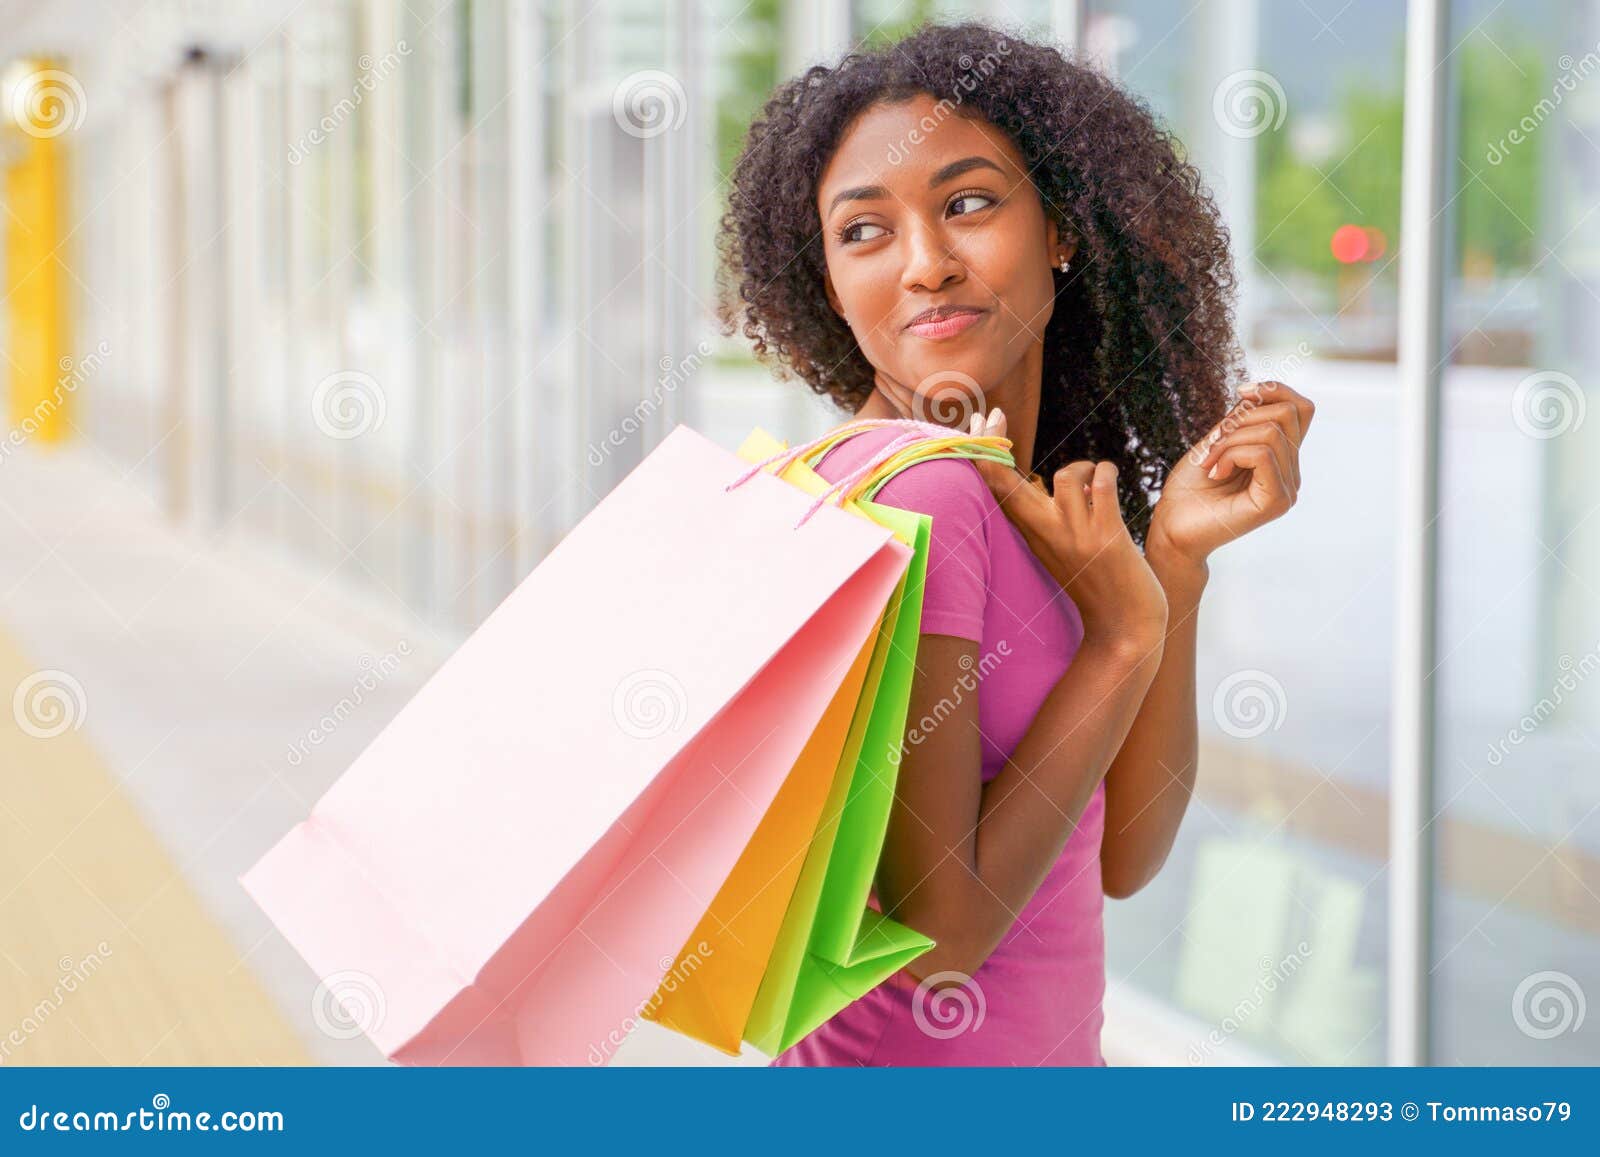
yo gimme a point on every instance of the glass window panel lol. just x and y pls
(1266, 929)
(1516, 952)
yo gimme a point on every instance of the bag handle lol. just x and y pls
(813, 450)
(867, 480)
(919, 442)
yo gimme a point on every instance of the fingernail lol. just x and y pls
(1212, 473)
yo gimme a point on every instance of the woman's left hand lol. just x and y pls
(1243, 474)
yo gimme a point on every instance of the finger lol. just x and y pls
(1283, 392)
(1267, 491)
(1257, 455)
(1280, 414)
(1023, 503)
(1284, 450)
(1103, 489)
(1071, 486)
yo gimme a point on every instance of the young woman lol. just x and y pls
(970, 229)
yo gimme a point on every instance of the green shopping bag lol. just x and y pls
(833, 949)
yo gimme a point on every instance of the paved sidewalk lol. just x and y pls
(189, 669)
(215, 689)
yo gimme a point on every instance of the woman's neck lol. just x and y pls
(1021, 407)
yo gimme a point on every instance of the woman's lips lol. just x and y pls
(947, 326)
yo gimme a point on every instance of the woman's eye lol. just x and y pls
(855, 232)
(970, 203)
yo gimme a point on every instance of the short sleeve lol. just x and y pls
(955, 496)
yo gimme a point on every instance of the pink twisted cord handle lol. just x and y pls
(860, 472)
(849, 430)
(915, 431)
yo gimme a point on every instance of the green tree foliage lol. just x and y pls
(1300, 202)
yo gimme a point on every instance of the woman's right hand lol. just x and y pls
(1079, 535)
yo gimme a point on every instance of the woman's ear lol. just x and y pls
(1059, 243)
(833, 298)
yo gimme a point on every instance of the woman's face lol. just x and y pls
(925, 209)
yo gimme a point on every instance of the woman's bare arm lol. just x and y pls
(961, 858)
(1243, 474)
(1152, 778)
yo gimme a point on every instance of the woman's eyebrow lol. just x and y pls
(946, 173)
(964, 165)
(859, 193)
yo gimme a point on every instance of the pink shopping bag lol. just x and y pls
(514, 862)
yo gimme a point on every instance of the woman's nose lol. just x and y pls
(930, 261)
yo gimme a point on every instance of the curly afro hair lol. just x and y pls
(1140, 347)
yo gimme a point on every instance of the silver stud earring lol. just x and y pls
(1065, 264)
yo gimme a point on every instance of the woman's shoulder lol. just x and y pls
(948, 486)
(854, 451)
(949, 489)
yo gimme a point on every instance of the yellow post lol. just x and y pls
(41, 103)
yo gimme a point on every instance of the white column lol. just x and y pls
(1412, 710)
(536, 473)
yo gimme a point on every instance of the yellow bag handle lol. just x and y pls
(919, 442)
(867, 479)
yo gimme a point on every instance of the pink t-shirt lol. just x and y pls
(1037, 998)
